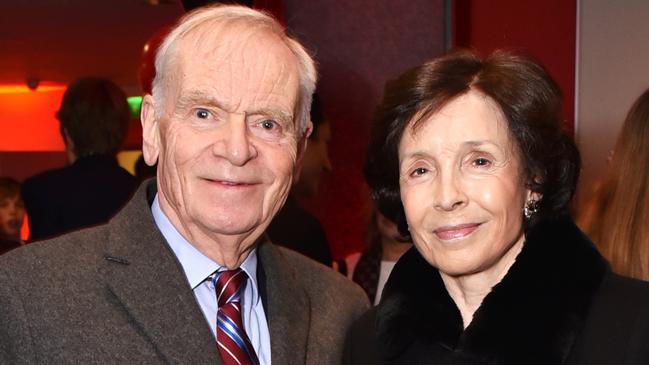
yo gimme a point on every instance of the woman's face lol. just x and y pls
(462, 188)
(12, 213)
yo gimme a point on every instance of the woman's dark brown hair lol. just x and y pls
(527, 96)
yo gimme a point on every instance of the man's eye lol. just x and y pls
(268, 124)
(202, 113)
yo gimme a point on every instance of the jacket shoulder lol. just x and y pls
(361, 344)
(322, 282)
(45, 260)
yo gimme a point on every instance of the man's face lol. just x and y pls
(226, 140)
(12, 213)
(315, 162)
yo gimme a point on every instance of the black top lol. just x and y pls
(558, 304)
(299, 230)
(86, 193)
(8, 245)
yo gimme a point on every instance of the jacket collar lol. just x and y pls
(533, 316)
(145, 278)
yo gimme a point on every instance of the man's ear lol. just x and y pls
(150, 131)
(69, 145)
(301, 149)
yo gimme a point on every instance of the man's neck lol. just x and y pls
(227, 250)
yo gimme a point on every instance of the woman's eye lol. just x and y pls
(419, 171)
(202, 113)
(481, 161)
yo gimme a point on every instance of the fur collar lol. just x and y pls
(533, 316)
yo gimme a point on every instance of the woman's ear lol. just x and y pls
(533, 196)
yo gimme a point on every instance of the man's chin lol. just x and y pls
(229, 228)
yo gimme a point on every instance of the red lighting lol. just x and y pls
(27, 117)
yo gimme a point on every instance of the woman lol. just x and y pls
(617, 220)
(12, 214)
(472, 154)
(371, 268)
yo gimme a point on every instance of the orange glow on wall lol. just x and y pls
(22, 89)
(27, 118)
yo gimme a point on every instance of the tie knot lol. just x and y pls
(228, 285)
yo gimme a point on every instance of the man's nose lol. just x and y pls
(235, 144)
(448, 193)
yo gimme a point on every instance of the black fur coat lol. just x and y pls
(558, 304)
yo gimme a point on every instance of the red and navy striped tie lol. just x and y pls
(231, 339)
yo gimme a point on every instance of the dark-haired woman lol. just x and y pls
(471, 154)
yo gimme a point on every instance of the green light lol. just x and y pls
(134, 103)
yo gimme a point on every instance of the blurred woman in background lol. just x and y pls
(371, 268)
(12, 214)
(617, 219)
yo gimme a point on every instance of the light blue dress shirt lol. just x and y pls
(198, 267)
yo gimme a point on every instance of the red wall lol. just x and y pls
(358, 46)
(545, 30)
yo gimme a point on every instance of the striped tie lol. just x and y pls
(232, 342)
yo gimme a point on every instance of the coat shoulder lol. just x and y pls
(69, 260)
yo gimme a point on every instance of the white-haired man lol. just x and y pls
(185, 273)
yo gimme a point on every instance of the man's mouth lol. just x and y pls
(231, 183)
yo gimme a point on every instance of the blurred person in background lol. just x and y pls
(371, 268)
(94, 117)
(293, 226)
(12, 214)
(617, 219)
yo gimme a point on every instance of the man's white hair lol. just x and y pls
(215, 18)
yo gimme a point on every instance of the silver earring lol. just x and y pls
(530, 208)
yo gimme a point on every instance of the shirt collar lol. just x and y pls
(198, 267)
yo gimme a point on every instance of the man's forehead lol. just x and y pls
(239, 52)
(233, 41)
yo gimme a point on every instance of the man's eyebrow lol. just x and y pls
(197, 97)
(274, 114)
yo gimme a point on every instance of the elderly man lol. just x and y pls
(184, 273)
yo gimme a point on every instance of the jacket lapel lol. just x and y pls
(147, 281)
(287, 306)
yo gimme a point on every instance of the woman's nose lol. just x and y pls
(448, 193)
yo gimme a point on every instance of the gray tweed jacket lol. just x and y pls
(116, 294)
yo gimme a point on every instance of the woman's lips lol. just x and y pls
(452, 232)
